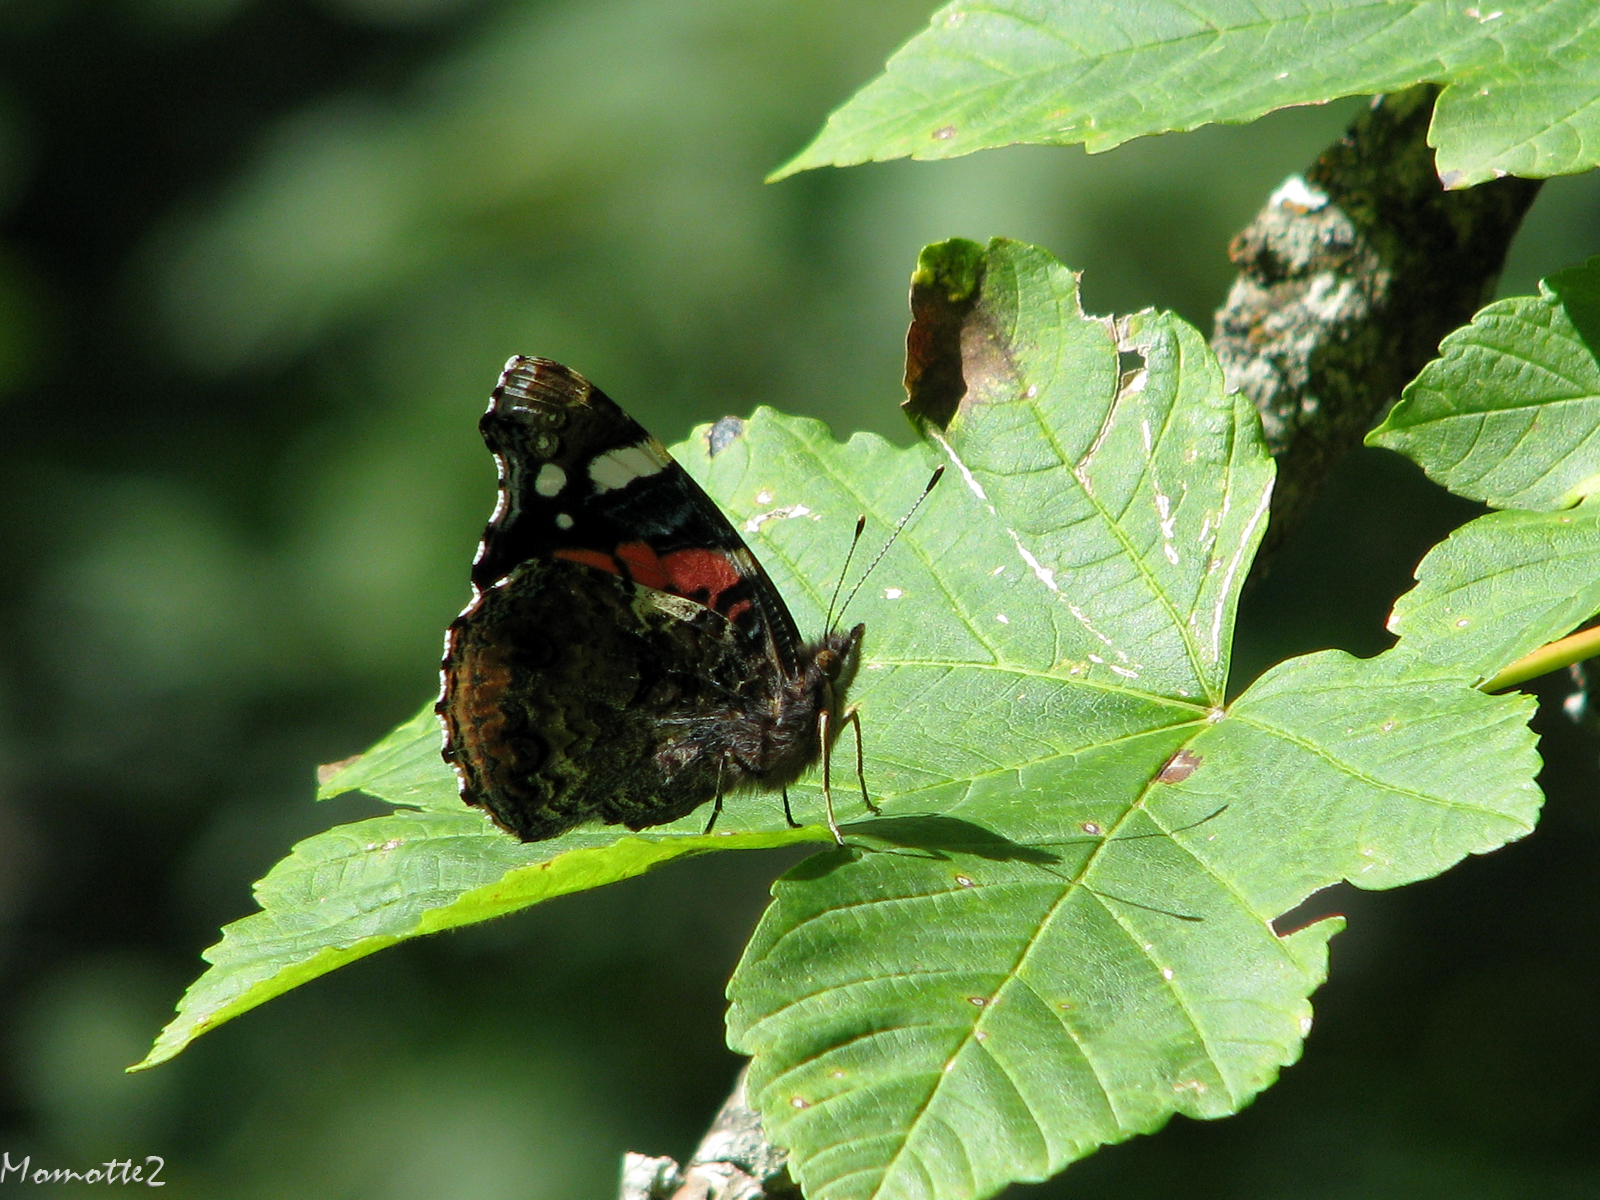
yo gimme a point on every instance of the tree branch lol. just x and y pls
(1348, 278)
(734, 1161)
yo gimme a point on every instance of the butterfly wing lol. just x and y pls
(622, 645)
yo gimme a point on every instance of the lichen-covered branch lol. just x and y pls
(1348, 278)
(734, 1161)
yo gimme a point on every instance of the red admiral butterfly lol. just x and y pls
(624, 657)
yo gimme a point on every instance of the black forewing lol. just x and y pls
(547, 426)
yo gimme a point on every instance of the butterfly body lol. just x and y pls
(624, 658)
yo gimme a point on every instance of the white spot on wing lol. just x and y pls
(550, 480)
(618, 468)
(563, 521)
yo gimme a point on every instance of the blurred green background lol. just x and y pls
(261, 262)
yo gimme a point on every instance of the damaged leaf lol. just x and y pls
(1065, 934)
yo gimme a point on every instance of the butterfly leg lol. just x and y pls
(716, 809)
(824, 719)
(787, 814)
(853, 717)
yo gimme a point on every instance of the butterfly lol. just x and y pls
(624, 657)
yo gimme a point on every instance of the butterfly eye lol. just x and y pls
(828, 661)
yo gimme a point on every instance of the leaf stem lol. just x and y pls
(1573, 648)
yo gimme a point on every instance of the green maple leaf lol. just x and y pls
(1521, 95)
(1060, 931)
(1509, 413)
(1074, 940)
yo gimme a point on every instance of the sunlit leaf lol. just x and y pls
(1502, 586)
(1061, 933)
(1523, 96)
(358, 888)
(1509, 413)
(404, 767)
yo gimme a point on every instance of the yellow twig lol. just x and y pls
(1573, 648)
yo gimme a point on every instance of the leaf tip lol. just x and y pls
(327, 773)
(817, 154)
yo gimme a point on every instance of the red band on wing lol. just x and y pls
(591, 558)
(645, 566)
(702, 573)
(704, 576)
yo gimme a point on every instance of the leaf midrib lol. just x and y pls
(1013, 976)
(946, 100)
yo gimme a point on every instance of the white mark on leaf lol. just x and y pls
(1042, 573)
(1219, 609)
(972, 484)
(754, 524)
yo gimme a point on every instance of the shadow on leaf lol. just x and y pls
(931, 837)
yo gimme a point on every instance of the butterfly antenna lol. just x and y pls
(901, 524)
(861, 524)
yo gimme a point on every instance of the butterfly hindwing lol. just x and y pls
(624, 657)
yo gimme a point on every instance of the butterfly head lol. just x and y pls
(839, 655)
